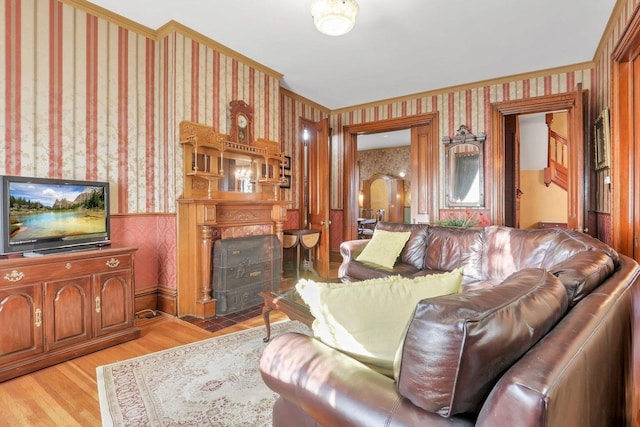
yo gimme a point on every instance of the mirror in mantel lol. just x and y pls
(239, 175)
(464, 169)
(242, 172)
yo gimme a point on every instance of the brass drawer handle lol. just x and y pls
(113, 263)
(14, 276)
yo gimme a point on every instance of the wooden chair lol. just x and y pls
(366, 227)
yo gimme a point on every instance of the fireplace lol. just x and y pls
(243, 267)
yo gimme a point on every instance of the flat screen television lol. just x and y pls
(45, 215)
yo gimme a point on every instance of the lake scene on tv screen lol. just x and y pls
(52, 211)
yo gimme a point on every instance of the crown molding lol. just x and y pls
(165, 30)
(112, 17)
(304, 100)
(176, 27)
(474, 85)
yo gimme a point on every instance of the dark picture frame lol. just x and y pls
(287, 162)
(267, 171)
(287, 182)
(602, 140)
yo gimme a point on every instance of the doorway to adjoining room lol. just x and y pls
(384, 164)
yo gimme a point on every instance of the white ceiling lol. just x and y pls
(397, 47)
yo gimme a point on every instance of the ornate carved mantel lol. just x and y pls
(231, 189)
(200, 223)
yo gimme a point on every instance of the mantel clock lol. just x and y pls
(241, 122)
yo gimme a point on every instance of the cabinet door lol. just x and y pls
(114, 308)
(68, 311)
(21, 332)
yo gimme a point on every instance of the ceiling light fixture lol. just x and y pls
(334, 17)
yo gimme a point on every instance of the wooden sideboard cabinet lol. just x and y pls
(57, 307)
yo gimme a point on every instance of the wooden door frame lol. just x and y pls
(577, 191)
(625, 158)
(319, 183)
(302, 172)
(425, 166)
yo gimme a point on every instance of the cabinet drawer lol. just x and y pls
(99, 264)
(45, 271)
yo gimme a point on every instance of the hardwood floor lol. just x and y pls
(66, 394)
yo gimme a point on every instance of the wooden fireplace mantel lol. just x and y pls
(218, 203)
(200, 223)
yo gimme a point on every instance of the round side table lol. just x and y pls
(303, 238)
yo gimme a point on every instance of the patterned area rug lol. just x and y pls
(214, 382)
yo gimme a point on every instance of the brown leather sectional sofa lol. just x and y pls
(545, 333)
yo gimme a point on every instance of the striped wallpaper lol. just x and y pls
(86, 98)
(84, 95)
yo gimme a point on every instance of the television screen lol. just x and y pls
(52, 214)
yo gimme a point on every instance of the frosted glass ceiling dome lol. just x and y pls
(334, 17)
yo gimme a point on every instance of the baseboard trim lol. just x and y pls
(168, 300)
(160, 298)
(146, 299)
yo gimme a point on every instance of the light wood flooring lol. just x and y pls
(66, 394)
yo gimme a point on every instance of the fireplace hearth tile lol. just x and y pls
(224, 321)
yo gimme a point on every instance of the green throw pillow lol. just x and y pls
(384, 247)
(367, 319)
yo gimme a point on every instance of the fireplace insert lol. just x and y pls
(243, 267)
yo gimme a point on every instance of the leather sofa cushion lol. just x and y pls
(582, 273)
(507, 250)
(413, 252)
(364, 270)
(568, 243)
(367, 319)
(449, 248)
(456, 347)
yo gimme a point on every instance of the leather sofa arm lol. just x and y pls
(335, 389)
(352, 248)
(349, 250)
(589, 360)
